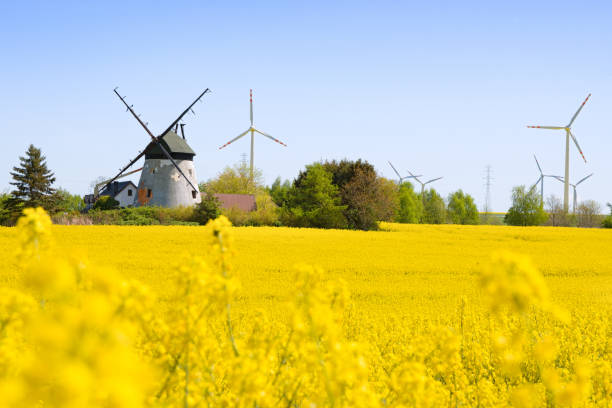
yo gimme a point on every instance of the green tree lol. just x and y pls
(434, 209)
(410, 205)
(207, 209)
(367, 196)
(5, 212)
(527, 208)
(368, 200)
(314, 201)
(461, 209)
(32, 181)
(66, 202)
(279, 191)
(236, 180)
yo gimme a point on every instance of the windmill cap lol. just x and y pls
(174, 144)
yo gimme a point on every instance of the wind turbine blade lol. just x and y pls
(395, 170)
(236, 138)
(432, 180)
(561, 179)
(578, 111)
(545, 127)
(269, 137)
(536, 159)
(577, 145)
(536, 183)
(581, 180)
(415, 177)
(251, 101)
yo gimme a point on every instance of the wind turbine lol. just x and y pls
(252, 130)
(541, 179)
(423, 184)
(568, 134)
(398, 175)
(574, 187)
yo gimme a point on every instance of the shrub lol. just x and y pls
(207, 209)
(106, 203)
(237, 216)
(144, 216)
(266, 212)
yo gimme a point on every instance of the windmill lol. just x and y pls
(168, 161)
(568, 134)
(398, 175)
(574, 187)
(541, 179)
(252, 130)
(423, 184)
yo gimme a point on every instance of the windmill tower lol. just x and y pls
(252, 130)
(568, 135)
(561, 179)
(541, 179)
(168, 177)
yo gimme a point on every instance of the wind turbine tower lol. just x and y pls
(252, 130)
(541, 179)
(568, 134)
(574, 188)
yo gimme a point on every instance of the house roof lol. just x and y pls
(244, 202)
(115, 188)
(174, 144)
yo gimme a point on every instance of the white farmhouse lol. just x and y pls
(122, 191)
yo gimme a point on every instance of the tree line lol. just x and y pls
(345, 194)
(528, 209)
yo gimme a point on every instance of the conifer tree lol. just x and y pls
(32, 181)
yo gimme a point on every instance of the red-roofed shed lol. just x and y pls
(244, 202)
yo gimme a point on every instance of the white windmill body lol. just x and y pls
(160, 182)
(168, 177)
(252, 130)
(568, 134)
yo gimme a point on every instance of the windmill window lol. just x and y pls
(190, 173)
(149, 192)
(129, 192)
(193, 192)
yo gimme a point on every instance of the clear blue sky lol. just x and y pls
(440, 88)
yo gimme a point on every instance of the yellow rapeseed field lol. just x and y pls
(217, 316)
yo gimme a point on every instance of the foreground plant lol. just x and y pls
(73, 334)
